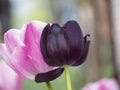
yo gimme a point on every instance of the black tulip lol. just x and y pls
(64, 45)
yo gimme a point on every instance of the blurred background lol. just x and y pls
(99, 18)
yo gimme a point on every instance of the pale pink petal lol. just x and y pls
(22, 50)
(91, 86)
(9, 80)
(32, 37)
(30, 63)
(108, 84)
(103, 84)
(12, 62)
(12, 39)
(23, 60)
(36, 27)
(5, 54)
(32, 32)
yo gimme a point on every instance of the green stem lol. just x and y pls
(49, 86)
(68, 81)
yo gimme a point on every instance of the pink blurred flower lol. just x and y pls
(9, 80)
(22, 52)
(103, 84)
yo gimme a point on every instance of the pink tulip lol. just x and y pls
(9, 80)
(103, 84)
(22, 52)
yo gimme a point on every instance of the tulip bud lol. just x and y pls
(64, 45)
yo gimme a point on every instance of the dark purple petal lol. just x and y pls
(48, 76)
(76, 39)
(53, 52)
(84, 54)
(64, 45)
(43, 42)
(54, 46)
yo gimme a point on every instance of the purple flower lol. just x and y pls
(64, 45)
(103, 84)
(9, 80)
(22, 52)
